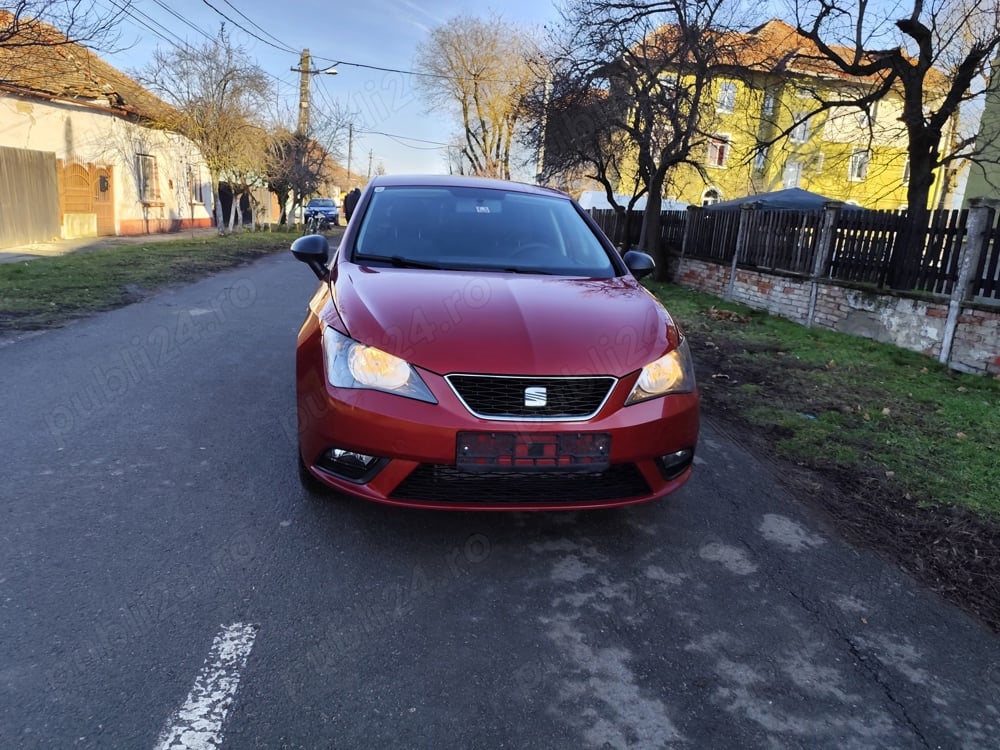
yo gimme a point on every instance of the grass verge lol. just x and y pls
(847, 406)
(44, 292)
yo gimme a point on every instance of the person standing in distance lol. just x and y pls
(351, 202)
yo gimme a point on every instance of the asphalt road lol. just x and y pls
(165, 582)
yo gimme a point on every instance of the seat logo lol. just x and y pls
(535, 396)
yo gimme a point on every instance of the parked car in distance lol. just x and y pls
(480, 344)
(326, 208)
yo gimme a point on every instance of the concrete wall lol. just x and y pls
(907, 322)
(84, 135)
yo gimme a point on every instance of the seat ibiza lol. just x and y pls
(480, 344)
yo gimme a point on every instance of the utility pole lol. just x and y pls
(303, 126)
(304, 72)
(371, 155)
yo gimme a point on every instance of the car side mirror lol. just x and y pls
(640, 264)
(314, 251)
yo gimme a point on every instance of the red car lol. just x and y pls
(480, 344)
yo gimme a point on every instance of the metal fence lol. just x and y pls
(29, 197)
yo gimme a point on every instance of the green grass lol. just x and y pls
(847, 405)
(44, 292)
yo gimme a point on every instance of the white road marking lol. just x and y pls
(197, 724)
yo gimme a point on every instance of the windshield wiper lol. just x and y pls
(530, 271)
(398, 261)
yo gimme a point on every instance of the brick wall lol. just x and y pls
(909, 323)
(976, 341)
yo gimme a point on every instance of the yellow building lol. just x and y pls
(844, 153)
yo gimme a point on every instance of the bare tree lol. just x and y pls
(653, 62)
(282, 156)
(26, 23)
(576, 136)
(296, 167)
(218, 93)
(246, 171)
(480, 69)
(936, 54)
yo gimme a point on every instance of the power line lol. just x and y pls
(400, 138)
(281, 46)
(182, 19)
(134, 13)
(417, 73)
(256, 25)
(245, 30)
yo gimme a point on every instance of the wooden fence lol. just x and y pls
(861, 249)
(986, 281)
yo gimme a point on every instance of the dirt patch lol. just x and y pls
(951, 550)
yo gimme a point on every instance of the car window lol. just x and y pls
(484, 229)
(321, 202)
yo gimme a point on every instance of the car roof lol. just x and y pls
(447, 180)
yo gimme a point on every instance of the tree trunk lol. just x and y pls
(217, 209)
(232, 211)
(651, 230)
(908, 247)
(281, 196)
(622, 227)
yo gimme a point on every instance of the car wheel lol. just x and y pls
(310, 483)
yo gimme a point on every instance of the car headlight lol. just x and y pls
(351, 364)
(671, 373)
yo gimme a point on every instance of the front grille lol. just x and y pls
(446, 484)
(504, 397)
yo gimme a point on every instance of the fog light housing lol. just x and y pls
(347, 464)
(674, 464)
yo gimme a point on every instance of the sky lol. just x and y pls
(393, 126)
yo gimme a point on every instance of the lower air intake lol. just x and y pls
(446, 484)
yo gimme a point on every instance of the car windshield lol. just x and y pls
(321, 203)
(465, 228)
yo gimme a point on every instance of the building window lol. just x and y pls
(858, 169)
(800, 133)
(760, 158)
(710, 197)
(767, 109)
(792, 175)
(866, 117)
(718, 150)
(146, 178)
(197, 194)
(906, 171)
(727, 97)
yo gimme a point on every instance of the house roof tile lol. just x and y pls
(36, 58)
(778, 47)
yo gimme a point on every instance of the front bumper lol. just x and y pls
(415, 446)
(331, 216)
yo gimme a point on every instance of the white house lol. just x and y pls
(73, 125)
(599, 199)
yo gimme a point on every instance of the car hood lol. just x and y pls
(514, 324)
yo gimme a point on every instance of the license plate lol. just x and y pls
(518, 451)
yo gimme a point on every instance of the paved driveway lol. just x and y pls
(165, 582)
